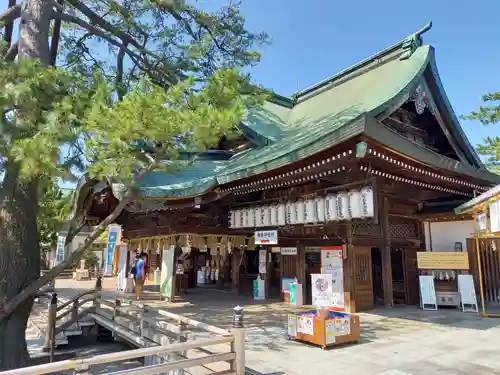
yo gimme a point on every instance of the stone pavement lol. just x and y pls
(398, 341)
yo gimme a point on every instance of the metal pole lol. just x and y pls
(238, 345)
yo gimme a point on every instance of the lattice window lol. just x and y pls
(362, 269)
(366, 229)
(403, 228)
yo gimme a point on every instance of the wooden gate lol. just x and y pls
(363, 283)
(490, 266)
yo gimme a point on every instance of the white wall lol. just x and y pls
(442, 236)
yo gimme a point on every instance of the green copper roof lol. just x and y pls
(194, 180)
(286, 130)
(325, 117)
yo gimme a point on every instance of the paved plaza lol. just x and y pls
(398, 341)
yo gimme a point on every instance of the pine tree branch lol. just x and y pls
(11, 53)
(119, 85)
(33, 288)
(136, 58)
(56, 36)
(9, 26)
(10, 14)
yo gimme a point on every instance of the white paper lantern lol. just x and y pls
(367, 200)
(244, 213)
(290, 213)
(354, 208)
(343, 206)
(237, 219)
(309, 211)
(232, 219)
(319, 204)
(299, 212)
(250, 218)
(331, 208)
(281, 214)
(273, 215)
(256, 213)
(266, 216)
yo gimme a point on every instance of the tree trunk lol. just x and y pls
(19, 251)
(19, 262)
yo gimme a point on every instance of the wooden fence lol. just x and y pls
(490, 266)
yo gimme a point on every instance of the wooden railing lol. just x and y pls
(165, 342)
(83, 366)
(77, 301)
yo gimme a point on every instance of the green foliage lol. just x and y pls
(52, 209)
(91, 260)
(489, 114)
(60, 120)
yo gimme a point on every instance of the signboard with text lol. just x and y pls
(288, 251)
(433, 260)
(266, 237)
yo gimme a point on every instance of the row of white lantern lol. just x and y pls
(354, 204)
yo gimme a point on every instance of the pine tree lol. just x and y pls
(113, 88)
(487, 115)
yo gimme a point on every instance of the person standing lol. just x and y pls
(140, 275)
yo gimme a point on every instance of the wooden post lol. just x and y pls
(98, 287)
(49, 340)
(385, 251)
(301, 266)
(116, 313)
(74, 311)
(236, 270)
(349, 272)
(238, 345)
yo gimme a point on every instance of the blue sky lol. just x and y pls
(314, 39)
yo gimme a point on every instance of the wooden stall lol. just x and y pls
(324, 328)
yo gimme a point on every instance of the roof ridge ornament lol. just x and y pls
(413, 41)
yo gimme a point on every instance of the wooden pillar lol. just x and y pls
(236, 269)
(267, 276)
(349, 273)
(385, 251)
(301, 265)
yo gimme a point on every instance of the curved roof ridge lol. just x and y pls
(408, 44)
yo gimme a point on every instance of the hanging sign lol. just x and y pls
(427, 293)
(262, 261)
(467, 293)
(321, 288)
(288, 251)
(266, 237)
(60, 248)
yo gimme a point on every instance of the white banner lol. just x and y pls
(427, 293)
(262, 261)
(332, 264)
(467, 293)
(321, 286)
